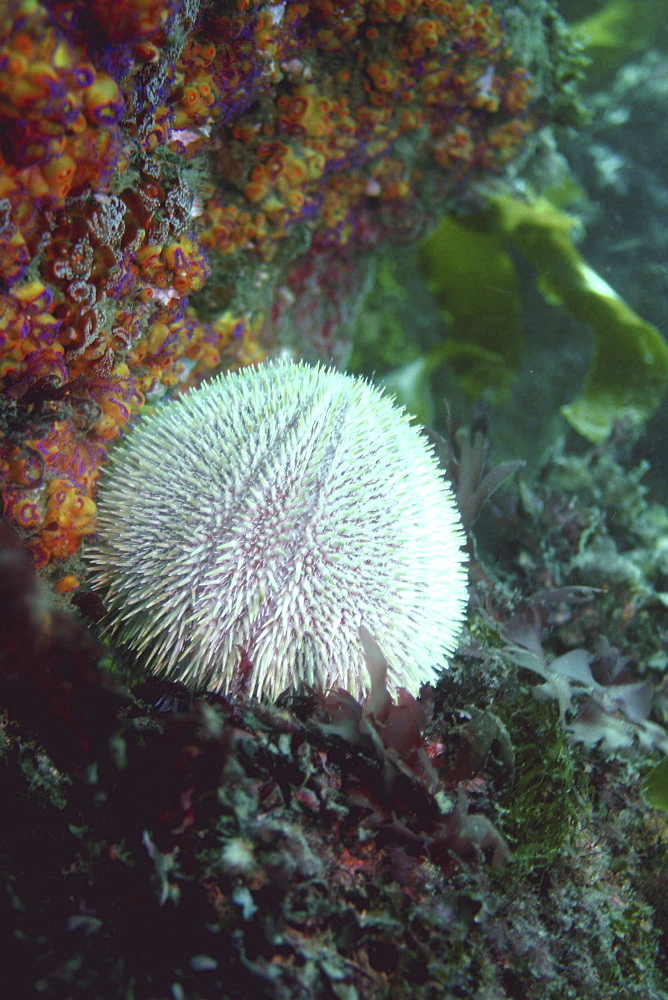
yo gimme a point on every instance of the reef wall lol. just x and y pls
(186, 186)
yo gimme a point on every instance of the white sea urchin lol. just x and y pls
(247, 530)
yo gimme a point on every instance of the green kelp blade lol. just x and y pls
(620, 30)
(655, 786)
(629, 372)
(472, 277)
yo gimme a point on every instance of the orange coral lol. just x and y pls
(179, 265)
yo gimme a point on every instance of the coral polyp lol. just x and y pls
(247, 531)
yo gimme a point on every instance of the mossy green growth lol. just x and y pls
(545, 804)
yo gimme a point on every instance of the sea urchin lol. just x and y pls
(246, 531)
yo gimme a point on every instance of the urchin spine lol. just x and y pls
(260, 520)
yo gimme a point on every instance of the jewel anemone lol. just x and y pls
(248, 529)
